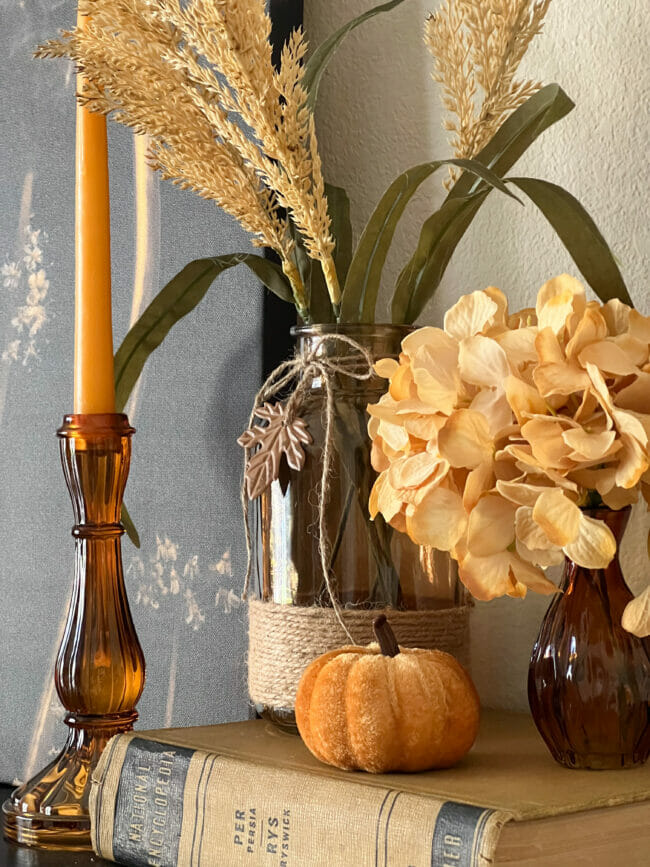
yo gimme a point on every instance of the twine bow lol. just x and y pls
(305, 367)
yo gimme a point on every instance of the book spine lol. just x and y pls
(163, 806)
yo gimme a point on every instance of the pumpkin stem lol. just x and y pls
(385, 636)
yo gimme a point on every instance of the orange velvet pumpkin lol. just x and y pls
(383, 708)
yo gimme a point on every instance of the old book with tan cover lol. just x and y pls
(248, 794)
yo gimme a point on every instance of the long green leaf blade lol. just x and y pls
(580, 235)
(364, 276)
(518, 131)
(439, 237)
(338, 206)
(173, 302)
(317, 63)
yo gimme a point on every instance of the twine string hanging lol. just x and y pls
(306, 366)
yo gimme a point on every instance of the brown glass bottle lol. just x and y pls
(99, 671)
(589, 679)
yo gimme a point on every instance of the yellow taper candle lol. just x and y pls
(94, 389)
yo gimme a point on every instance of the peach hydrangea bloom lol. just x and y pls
(496, 430)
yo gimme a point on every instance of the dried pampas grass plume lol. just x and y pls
(477, 46)
(198, 79)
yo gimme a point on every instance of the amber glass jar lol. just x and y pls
(589, 679)
(371, 565)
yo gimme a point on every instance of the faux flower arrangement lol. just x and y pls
(499, 427)
(223, 120)
(226, 119)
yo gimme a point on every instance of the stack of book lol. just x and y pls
(249, 794)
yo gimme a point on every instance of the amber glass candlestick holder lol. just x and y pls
(99, 671)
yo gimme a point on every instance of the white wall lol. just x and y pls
(379, 113)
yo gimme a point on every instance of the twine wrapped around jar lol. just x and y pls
(284, 639)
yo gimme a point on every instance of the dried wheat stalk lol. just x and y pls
(194, 77)
(477, 46)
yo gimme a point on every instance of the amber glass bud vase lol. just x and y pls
(589, 679)
(99, 671)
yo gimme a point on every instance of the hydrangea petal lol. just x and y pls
(388, 500)
(601, 480)
(632, 463)
(631, 423)
(619, 498)
(439, 521)
(557, 300)
(616, 315)
(542, 557)
(608, 356)
(386, 367)
(393, 435)
(478, 481)
(373, 499)
(500, 318)
(379, 460)
(639, 326)
(529, 532)
(558, 517)
(482, 361)
(521, 492)
(554, 375)
(406, 407)
(415, 496)
(531, 576)
(491, 526)
(636, 350)
(636, 616)
(402, 384)
(412, 471)
(519, 346)
(436, 376)
(424, 427)
(487, 578)
(636, 395)
(590, 329)
(523, 398)
(465, 439)
(492, 403)
(432, 338)
(470, 315)
(589, 446)
(544, 433)
(594, 546)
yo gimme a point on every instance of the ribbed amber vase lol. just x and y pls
(99, 671)
(589, 679)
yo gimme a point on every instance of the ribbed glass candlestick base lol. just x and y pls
(99, 673)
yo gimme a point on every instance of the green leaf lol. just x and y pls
(443, 231)
(515, 135)
(129, 526)
(439, 237)
(364, 276)
(580, 235)
(338, 206)
(317, 63)
(173, 302)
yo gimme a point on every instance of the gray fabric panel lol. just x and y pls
(193, 401)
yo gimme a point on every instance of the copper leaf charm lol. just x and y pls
(281, 435)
